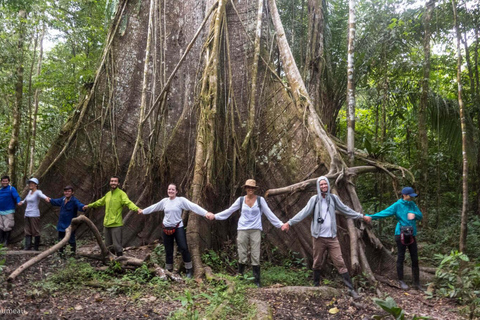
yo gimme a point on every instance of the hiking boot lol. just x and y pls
(189, 273)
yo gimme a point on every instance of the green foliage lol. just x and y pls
(286, 276)
(2, 253)
(390, 306)
(457, 277)
(223, 260)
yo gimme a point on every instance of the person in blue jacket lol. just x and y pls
(9, 198)
(407, 213)
(69, 205)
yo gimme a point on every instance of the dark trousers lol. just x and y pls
(401, 258)
(180, 237)
(61, 235)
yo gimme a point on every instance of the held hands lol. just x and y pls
(140, 211)
(367, 219)
(285, 227)
(48, 199)
(210, 216)
(85, 208)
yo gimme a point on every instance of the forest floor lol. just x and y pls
(78, 288)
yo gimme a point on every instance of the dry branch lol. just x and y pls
(75, 222)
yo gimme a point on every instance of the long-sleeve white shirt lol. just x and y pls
(250, 217)
(173, 210)
(32, 200)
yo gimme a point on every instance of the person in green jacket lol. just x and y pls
(407, 213)
(114, 201)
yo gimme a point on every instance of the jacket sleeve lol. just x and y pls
(56, 202)
(99, 203)
(189, 205)
(159, 206)
(270, 215)
(79, 205)
(344, 209)
(127, 202)
(15, 195)
(390, 211)
(306, 211)
(228, 212)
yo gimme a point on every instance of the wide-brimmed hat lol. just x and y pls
(250, 183)
(409, 191)
(34, 180)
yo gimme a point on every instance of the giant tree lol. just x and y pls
(172, 101)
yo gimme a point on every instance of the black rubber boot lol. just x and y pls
(28, 243)
(37, 243)
(256, 275)
(348, 282)
(119, 254)
(6, 238)
(241, 269)
(189, 273)
(2, 236)
(316, 278)
(73, 249)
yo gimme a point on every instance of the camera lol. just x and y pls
(320, 220)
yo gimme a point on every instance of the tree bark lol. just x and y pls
(351, 84)
(35, 108)
(17, 109)
(422, 113)
(464, 220)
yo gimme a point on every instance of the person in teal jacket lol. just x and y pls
(407, 213)
(114, 201)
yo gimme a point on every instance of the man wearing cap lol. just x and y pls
(407, 213)
(8, 199)
(324, 230)
(69, 205)
(114, 201)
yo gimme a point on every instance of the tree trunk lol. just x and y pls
(33, 136)
(201, 92)
(422, 113)
(17, 109)
(463, 225)
(351, 84)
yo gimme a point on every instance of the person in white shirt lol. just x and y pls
(324, 230)
(32, 214)
(249, 229)
(172, 225)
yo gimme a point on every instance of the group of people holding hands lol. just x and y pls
(321, 206)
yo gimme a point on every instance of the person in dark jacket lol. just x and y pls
(407, 213)
(69, 206)
(9, 198)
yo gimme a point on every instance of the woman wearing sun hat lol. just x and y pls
(249, 230)
(407, 213)
(32, 214)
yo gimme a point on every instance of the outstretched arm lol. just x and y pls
(228, 212)
(270, 215)
(305, 212)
